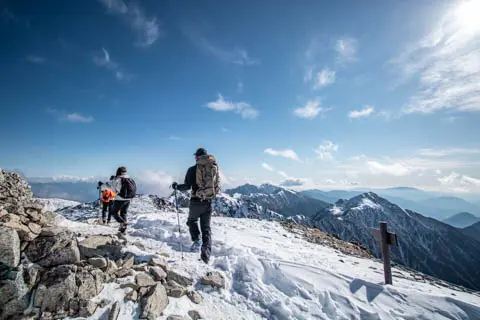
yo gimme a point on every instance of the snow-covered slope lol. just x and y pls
(54, 204)
(274, 274)
(425, 244)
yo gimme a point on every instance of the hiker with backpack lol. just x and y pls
(204, 180)
(125, 189)
(106, 199)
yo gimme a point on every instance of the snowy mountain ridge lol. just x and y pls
(425, 244)
(274, 274)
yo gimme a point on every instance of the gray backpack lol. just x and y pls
(207, 177)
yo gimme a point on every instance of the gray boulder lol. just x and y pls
(98, 262)
(175, 317)
(144, 280)
(55, 250)
(195, 297)
(179, 278)
(101, 246)
(9, 247)
(129, 261)
(175, 290)
(214, 279)
(14, 295)
(159, 262)
(15, 222)
(195, 315)
(154, 302)
(158, 273)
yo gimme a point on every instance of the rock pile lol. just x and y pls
(46, 272)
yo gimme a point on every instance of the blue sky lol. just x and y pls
(305, 94)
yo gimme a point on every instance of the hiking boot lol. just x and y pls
(205, 258)
(123, 228)
(196, 246)
(103, 221)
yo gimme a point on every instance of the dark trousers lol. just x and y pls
(119, 211)
(202, 210)
(107, 207)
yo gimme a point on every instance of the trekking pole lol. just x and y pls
(178, 219)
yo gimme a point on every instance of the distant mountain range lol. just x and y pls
(429, 204)
(462, 220)
(473, 231)
(425, 244)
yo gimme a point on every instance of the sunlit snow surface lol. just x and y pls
(274, 274)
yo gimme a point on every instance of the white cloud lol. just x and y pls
(77, 117)
(69, 178)
(445, 63)
(394, 169)
(460, 183)
(346, 49)
(308, 76)
(267, 166)
(62, 115)
(104, 61)
(287, 153)
(35, 59)
(146, 28)
(311, 110)
(448, 152)
(325, 151)
(245, 110)
(173, 137)
(324, 78)
(365, 112)
(155, 182)
(224, 129)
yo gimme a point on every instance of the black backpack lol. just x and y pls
(129, 188)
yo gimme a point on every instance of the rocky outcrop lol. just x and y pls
(180, 278)
(9, 247)
(103, 246)
(54, 250)
(213, 278)
(154, 302)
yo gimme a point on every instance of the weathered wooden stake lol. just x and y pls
(387, 239)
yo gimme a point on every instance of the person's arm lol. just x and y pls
(189, 180)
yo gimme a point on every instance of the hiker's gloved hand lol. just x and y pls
(174, 185)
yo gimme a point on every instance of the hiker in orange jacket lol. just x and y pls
(106, 198)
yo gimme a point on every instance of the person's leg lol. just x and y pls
(192, 221)
(110, 206)
(205, 219)
(104, 211)
(123, 215)
(117, 205)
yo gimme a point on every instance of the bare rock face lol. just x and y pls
(195, 297)
(52, 251)
(158, 273)
(101, 246)
(14, 294)
(9, 247)
(69, 289)
(181, 279)
(154, 302)
(175, 290)
(214, 279)
(98, 262)
(195, 315)
(144, 280)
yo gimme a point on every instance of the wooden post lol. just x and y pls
(387, 270)
(386, 239)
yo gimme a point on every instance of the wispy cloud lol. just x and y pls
(146, 28)
(308, 76)
(62, 115)
(237, 55)
(245, 110)
(365, 112)
(311, 110)
(267, 167)
(324, 78)
(224, 129)
(325, 150)
(174, 138)
(448, 152)
(104, 61)
(35, 59)
(286, 153)
(460, 183)
(293, 182)
(445, 63)
(394, 169)
(346, 49)
(239, 86)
